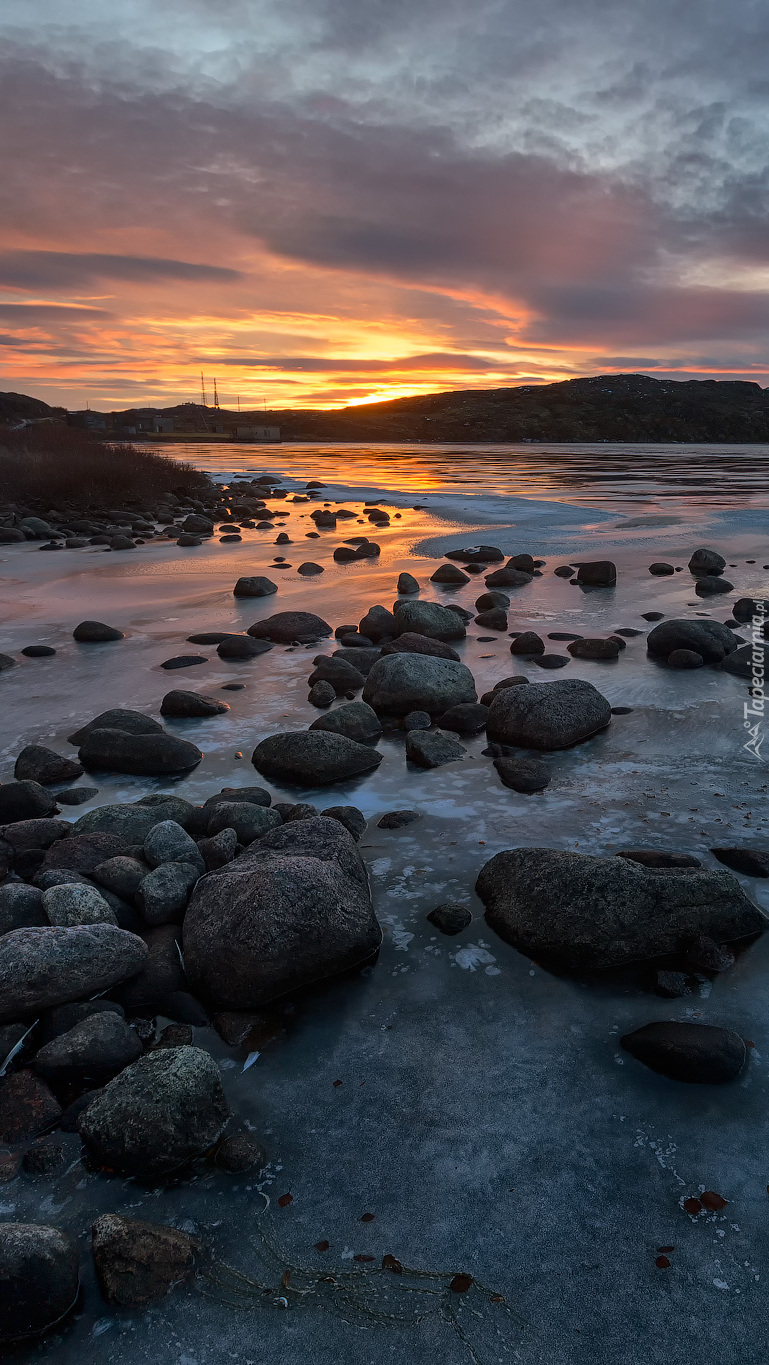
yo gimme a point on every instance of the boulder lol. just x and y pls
(286, 627)
(599, 573)
(708, 585)
(751, 862)
(706, 562)
(38, 764)
(356, 719)
(39, 834)
(489, 601)
(341, 675)
(399, 683)
(43, 967)
(313, 758)
(710, 639)
(294, 909)
(132, 822)
(508, 577)
(527, 643)
(450, 574)
(159, 1114)
(495, 618)
(407, 584)
(24, 801)
(353, 819)
(219, 849)
(378, 624)
(95, 632)
(547, 716)
(594, 649)
(523, 775)
(138, 1262)
(468, 718)
(684, 1051)
(661, 570)
(27, 1107)
(658, 857)
(90, 1053)
(83, 852)
(163, 894)
(254, 587)
(432, 748)
(426, 618)
(477, 554)
(191, 704)
(450, 918)
(746, 662)
(687, 658)
(256, 796)
(119, 718)
(242, 647)
(146, 755)
(581, 913)
(411, 643)
(168, 842)
(39, 1274)
(76, 904)
(745, 608)
(161, 976)
(360, 659)
(246, 819)
(321, 695)
(21, 907)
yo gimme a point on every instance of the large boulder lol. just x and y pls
(293, 909)
(90, 1053)
(191, 705)
(399, 683)
(411, 643)
(21, 907)
(428, 618)
(287, 627)
(118, 718)
(254, 587)
(159, 1114)
(39, 1278)
(40, 968)
(313, 758)
(547, 716)
(581, 913)
(132, 822)
(745, 608)
(598, 573)
(432, 748)
(35, 763)
(146, 755)
(747, 662)
(138, 1262)
(247, 820)
(710, 639)
(24, 801)
(705, 561)
(356, 719)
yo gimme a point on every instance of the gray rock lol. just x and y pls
(168, 842)
(122, 876)
(146, 755)
(161, 976)
(23, 834)
(219, 849)
(76, 796)
(397, 819)
(706, 562)
(287, 626)
(684, 1051)
(21, 907)
(24, 801)
(353, 819)
(342, 676)
(294, 909)
(712, 640)
(661, 570)
(356, 719)
(133, 822)
(245, 819)
(417, 720)
(38, 764)
(433, 748)
(488, 601)
(60, 1020)
(527, 643)
(39, 1269)
(508, 577)
(27, 1106)
(321, 694)
(362, 660)
(547, 716)
(411, 643)
(254, 587)
(90, 1053)
(745, 662)
(687, 658)
(711, 586)
(242, 647)
(191, 704)
(256, 796)
(466, 719)
(450, 918)
(83, 852)
(751, 862)
(426, 618)
(581, 913)
(164, 892)
(40, 968)
(119, 718)
(523, 774)
(184, 661)
(95, 632)
(312, 758)
(399, 683)
(407, 584)
(599, 573)
(494, 618)
(239, 1153)
(159, 1114)
(658, 857)
(74, 904)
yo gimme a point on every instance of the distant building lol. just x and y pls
(257, 434)
(93, 421)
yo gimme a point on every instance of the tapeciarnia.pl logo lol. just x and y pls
(753, 711)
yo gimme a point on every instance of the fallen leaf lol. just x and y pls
(461, 1283)
(367, 1217)
(285, 1279)
(713, 1202)
(362, 1257)
(337, 1084)
(392, 1263)
(662, 1263)
(692, 1206)
(322, 1246)
(748, 1043)
(497, 1298)
(285, 1200)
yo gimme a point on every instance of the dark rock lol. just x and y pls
(44, 1157)
(133, 822)
(198, 524)
(449, 573)
(477, 554)
(426, 618)
(659, 857)
(378, 624)
(248, 820)
(43, 967)
(582, 913)
(146, 755)
(600, 573)
(685, 658)
(362, 660)
(294, 810)
(91, 1053)
(353, 820)
(189, 704)
(493, 619)
(21, 907)
(746, 662)
(60, 1020)
(24, 801)
(563, 571)
(399, 683)
(652, 615)
(240, 1153)
(138, 1262)
(357, 720)
(118, 718)
(528, 642)
(340, 674)
(416, 720)
(242, 647)
(660, 570)
(396, 819)
(95, 632)
(219, 849)
(547, 715)
(411, 643)
(39, 834)
(256, 796)
(309, 569)
(744, 609)
(710, 586)
(184, 661)
(292, 910)
(488, 601)
(698, 1053)
(551, 661)
(182, 1006)
(431, 749)
(312, 758)
(39, 1267)
(84, 852)
(175, 1035)
(159, 1114)
(508, 577)
(712, 640)
(706, 562)
(38, 651)
(37, 764)
(671, 985)
(187, 540)
(168, 842)
(75, 903)
(321, 695)
(148, 992)
(287, 626)
(464, 615)
(164, 892)
(27, 1107)
(207, 637)
(704, 955)
(76, 796)
(594, 649)
(468, 718)
(450, 918)
(407, 584)
(523, 774)
(751, 862)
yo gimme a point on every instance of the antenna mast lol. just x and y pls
(203, 389)
(216, 396)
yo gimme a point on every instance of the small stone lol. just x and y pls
(396, 819)
(528, 642)
(450, 918)
(711, 586)
(660, 570)
(431, 749)
(353, 820)
(600, 573)
(407, 584)
(321, 694)
(38, 764)
(164, 892)
(696, 1053)
(240, 1153)
(416, 720)
(704, 955)
(594, 649)
(76, 796)
(685, 658)
(191, 704)
(671, 985)
(184, 661)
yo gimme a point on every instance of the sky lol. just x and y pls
(323, 202)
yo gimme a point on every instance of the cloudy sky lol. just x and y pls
(329, 201)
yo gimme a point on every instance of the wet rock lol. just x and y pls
(38, 764)
(289, 626)
(242, 647)
(198, 524)
(426, 618)
(191, 704)
(21, 907)
(523, 774)
(751, 862)
(594, 649)
(671, 985)
(399, 683)
(527, 643)
(407, 584)
(396, 819)
(313, 758)
(450, 574)
(744, 609)
(159, 1114)
(292, 910)
(219, 849)
(187, 540)
(38, 651)
(309, 569)
(164, 892)
(254, 587)
(76, 904)
(44, 1157)
(685, 658)
(583, 913)
(246, 819)
(118, 718)
(27, 1106)
(32, 834)
(706, 562)
(184, 661)
(468, 718)
(746, 662)
(705, 956)
(145, 755)
(64, 1017)
(240, 1153)
(95, 632)
(698, 1053)
(710, 586)
(431, 749)
(362, 660)
(508, 577)
(599, 573)
(341, 675)
(175, 1035)
(378, 624)
(661, 570)
(710, 639)
(353, 820)
(76, 796)
(91, 1053)
(493, 619)
(477, 554)
(255, 796)
(41, 1264)
(411, 643)
(132, 823)
(416, 720)
(40, 968)
(356, 719)
(139, 1262)
(83, 852)
(321, 694)
(149, 991)
(551, 661)
(24, 801)
(547, 715)
(168, 842)
(450, 918)
(659, 857)
(294, 810)
(563, 571)
(489, 600)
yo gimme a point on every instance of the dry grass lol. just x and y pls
(54, 464)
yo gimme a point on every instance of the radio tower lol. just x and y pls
(203, 389)
(216, 396)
